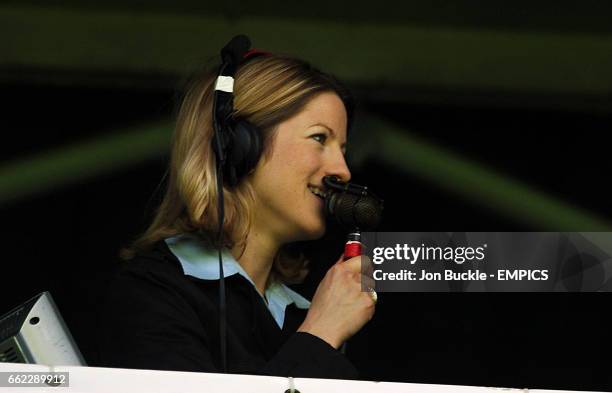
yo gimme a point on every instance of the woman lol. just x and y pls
(163, 307)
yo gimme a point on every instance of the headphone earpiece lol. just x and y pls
(243, 150)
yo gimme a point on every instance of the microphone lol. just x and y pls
(355, 208)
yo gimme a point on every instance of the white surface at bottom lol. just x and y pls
(115, 380)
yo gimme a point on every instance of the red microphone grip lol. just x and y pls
(353, 246)
(352, 249)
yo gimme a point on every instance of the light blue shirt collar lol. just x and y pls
(202, 262)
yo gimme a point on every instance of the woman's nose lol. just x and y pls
(338, 167)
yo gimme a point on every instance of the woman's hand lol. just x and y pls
(339, 307)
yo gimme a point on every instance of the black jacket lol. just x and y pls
(156, 317)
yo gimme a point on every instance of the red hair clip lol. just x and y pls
(252, 53)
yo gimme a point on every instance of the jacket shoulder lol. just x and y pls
(159, 259)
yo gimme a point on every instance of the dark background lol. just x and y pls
(65, 238)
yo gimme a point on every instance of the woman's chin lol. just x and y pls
(313, 232)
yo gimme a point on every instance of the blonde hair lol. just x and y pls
(267, 90)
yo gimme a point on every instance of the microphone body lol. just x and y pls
(355, 208)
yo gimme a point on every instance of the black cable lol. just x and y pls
(220, 163)
(222, 305)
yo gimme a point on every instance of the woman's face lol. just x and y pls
(306, 147)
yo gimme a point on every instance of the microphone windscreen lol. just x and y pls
(234, 51)
(355, 211)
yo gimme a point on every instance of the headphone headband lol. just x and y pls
(233, 52)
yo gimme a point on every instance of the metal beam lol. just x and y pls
(470, 180)
(383, 56)
(392, 145)
(81, 161)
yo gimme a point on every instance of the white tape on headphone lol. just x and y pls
(225, 83)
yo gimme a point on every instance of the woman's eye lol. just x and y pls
(321, 138)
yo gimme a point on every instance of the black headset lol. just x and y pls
(237, 143)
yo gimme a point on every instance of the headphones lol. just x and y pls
(237, 143)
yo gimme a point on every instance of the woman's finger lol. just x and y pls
(355, 264)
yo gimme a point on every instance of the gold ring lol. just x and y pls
(373, 295)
